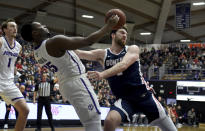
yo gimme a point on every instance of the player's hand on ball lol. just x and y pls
(112, 21)
(94, 75)
(110, 16)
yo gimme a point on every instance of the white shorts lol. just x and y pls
(79, 92)
(10, 93)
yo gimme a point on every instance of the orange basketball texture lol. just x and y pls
(118, 12)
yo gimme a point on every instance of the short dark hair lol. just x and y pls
(5, 24)
(26, 32)
(123, 27)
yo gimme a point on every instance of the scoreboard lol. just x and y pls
(190, 91)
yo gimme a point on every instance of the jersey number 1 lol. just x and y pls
(9, 63)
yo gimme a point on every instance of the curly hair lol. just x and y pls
(26, 32)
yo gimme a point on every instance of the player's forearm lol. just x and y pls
(96, 36)
(118, 68)
(79, 53)
(85, 55)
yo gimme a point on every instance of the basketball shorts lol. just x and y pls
(79, 92)
(10, 93)
(149, 106)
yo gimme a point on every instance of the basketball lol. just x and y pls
(121, 15)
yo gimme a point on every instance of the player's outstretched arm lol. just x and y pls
(71, 43)
(93, 55)
(131, 56)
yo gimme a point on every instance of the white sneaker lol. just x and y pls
(179, 125)
(5, 126)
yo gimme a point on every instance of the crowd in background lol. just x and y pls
(180, 58)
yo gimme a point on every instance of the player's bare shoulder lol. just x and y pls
(53, 46)
(100, 53)
(133, 48)
(55, 41)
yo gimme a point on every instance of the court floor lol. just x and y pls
(119, 129)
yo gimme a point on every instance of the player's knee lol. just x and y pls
(108, 122)
(111, 121)
(24, 111)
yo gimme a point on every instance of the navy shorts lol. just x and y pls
(147, 105)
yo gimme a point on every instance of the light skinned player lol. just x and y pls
(9, 51)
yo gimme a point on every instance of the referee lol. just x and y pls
(42, 88)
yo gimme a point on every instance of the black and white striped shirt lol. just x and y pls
(43, 89)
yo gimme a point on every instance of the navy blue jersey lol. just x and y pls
(128, 84)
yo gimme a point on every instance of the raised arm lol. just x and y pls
(71, 43)
(131, 56)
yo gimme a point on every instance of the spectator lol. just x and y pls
(175, 115)
(19, 66)
(58, 99)
(24, 66)
(191, 117)
(162, 101)
(180, 119)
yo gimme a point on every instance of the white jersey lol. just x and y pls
(74, 85)
(8, 58)
(66, 66)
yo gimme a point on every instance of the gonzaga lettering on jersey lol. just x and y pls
(8, 58)
(67, 66)
(113, 62)
(125, 84)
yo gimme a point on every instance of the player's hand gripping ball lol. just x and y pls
(120, 14)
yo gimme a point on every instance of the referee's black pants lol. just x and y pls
(44, 101)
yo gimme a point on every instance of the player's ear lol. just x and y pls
(4, 30)
(35, 33)
(112, 35)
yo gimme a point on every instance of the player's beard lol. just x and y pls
(120, 42)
